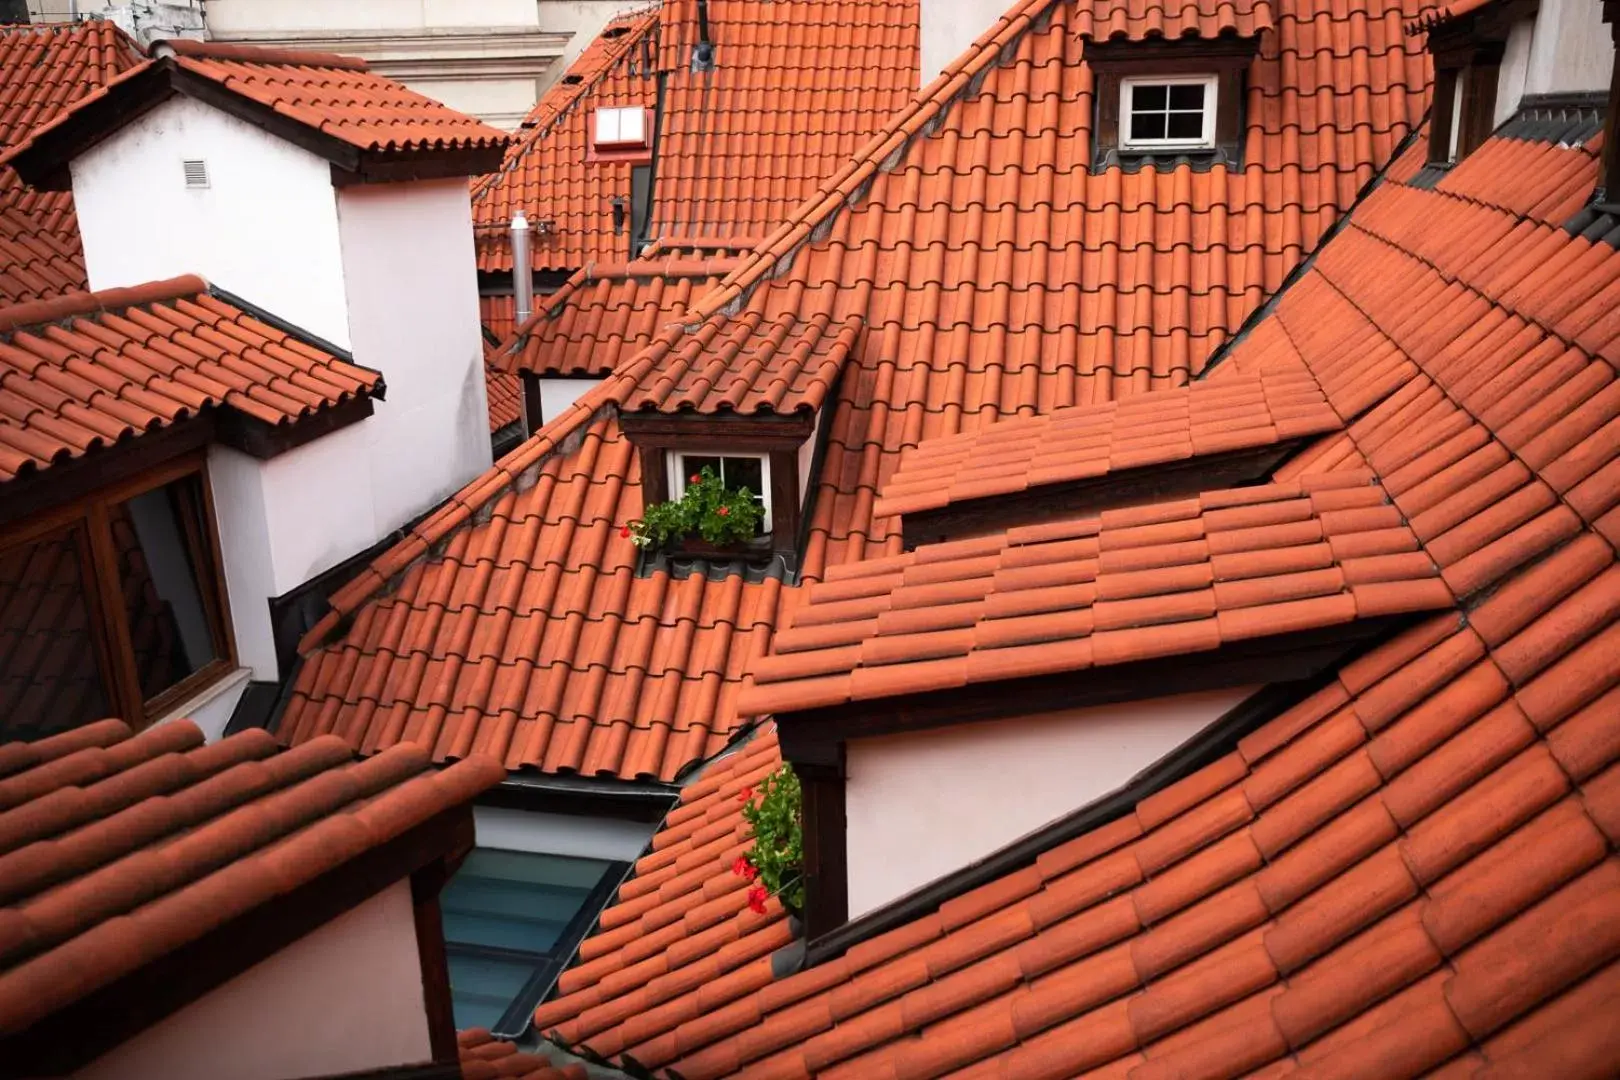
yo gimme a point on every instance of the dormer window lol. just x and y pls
(736, 471)
(1158, 100)
(1168, 112)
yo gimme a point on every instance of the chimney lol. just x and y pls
(950, 26)
(522, 272)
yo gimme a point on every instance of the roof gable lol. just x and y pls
(369, 127)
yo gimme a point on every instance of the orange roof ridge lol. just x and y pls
(258, 54)
(62, 307)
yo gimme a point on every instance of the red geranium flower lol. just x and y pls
(745, 794)
(740, 867)
(756, 899)
(625, 531)
(694, 479)
(723, 511)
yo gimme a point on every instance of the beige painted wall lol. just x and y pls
(924, 804)
(344, 998)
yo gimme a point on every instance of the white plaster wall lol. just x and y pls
(1571, 50)
(1515, 65)
(557, 394)
(344, 998)
(924, 804)
(412, 284)
(211, 708)
(266, 227)
(244, 546)
(950, 26)
(560, 834)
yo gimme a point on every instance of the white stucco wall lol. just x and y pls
(266, 227)
(924, 804)
(1515, 66)
(412, 283)
(344, 998)
(561, 834)
(557, 394)
(950, 26)
(1572, 49)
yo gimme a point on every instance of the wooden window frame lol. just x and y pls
(1226, 61)
(1212, 105)
(1466, 71)
(676, 475)
(777, 438)
(88, 516)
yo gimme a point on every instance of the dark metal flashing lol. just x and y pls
(503, 441)
(1131, 161)
(646, 801)
(254, 707)
(1429, 176)
(1598, 223)
(1561, 119)
(1214, 742)
(755, 568)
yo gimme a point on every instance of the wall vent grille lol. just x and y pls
(196, 173)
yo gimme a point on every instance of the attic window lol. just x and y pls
(736, 471)
(1464, 100)
(196, 173)
(620, 129)
(1159, 99)
(1168, 112)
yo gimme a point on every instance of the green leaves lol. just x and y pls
(772, 811)
(706, 509)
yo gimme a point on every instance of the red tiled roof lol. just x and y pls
(117, 849)
(505, 397)
(1433, 15)
(89, 370)
(336, 96)
(483, 1057)
(1411, 868)
(1134, 20)
(996, 276)
(606, 313)
(43, 70)
(1094, 440)
(36, 262)
(546, 173)
(677, 924)
(1165, 579)
(795, 91)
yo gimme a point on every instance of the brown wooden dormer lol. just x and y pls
(1467, 43)
(1158, 99)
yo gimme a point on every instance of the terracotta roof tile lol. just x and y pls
(971, 315)
(1119, 20)
(1429, 836)
(337, 96)
(484, 1057)
(741, 143)
(1086, 441)
(89, 370)
(107, 837)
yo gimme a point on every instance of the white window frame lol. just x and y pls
(674, 462)
(617, 127)
(1127, 95)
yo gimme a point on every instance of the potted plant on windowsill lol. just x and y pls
(707, 520)
(774, 866)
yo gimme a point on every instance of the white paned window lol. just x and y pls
(1167, 112)
(621, 127)
(736, 471)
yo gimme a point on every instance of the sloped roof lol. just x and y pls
(484, 1057)
(796, 89)
(44, 70)
(36, 261)
(1124, 20)
(513, 620)
(117, 849)
(546, 172)
(336, 100)
(86, 371)
(1410, 868)
(1165, 579)
(606, 313)
(1089, 441)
